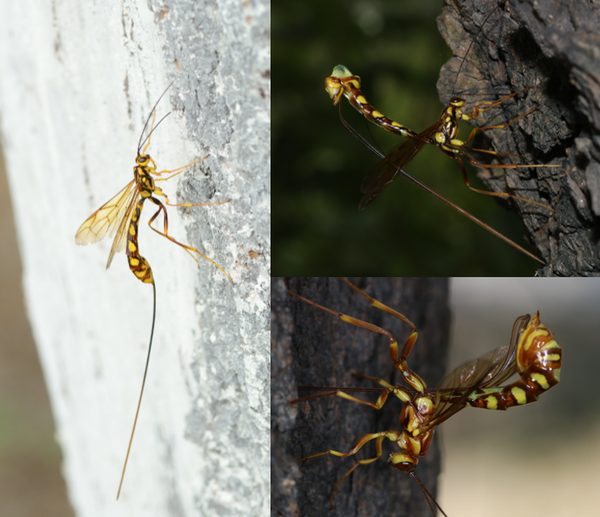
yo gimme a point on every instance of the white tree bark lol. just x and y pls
(78, 80)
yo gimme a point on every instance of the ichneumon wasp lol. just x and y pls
(120, 217)
(442, 134)
(532, 354)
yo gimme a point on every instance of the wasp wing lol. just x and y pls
(385, 172)
(113, 216)
(489, 370)
(106, 218)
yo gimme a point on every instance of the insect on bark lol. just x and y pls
(532, 353)
(120, 217)
(442, 134)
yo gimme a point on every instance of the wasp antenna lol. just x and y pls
(428, 497)
(143, 143)
(140, 144)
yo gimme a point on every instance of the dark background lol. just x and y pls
(318, 167)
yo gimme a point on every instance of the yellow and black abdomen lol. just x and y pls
(538, 361)
(138, 264)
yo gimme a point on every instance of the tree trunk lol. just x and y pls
(314, 348)
(550, 46)
(78, 81)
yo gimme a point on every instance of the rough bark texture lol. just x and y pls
(314, 348)
(553, 46)
(78, 80)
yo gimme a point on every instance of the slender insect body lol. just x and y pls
(142, 176)
(121, 216)
(138, 264)
(533, 354)
(442, 134)
(326, 351)
(342, 82)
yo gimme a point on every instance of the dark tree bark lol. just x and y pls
(552, 45)
(314, 348)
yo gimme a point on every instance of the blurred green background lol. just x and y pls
(318, 167)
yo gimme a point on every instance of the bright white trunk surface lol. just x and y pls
(78, 81)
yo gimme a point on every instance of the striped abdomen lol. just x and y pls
(138, 264)
(342, 81)
(538, 361)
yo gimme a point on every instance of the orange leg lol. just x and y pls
(399, 361)
(395, 390)
(379, 437)
(487, 192)
(165, 233)
(500, 126)
(460, 147)
(491, 104)
(177, 171)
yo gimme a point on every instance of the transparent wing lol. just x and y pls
(106, 218)
(385, 172)
(113, 216)
(125, 214)
(489, 370)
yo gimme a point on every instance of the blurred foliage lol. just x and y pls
(395, 48)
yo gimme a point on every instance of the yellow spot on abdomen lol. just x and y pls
(132, 247)
(361, 99)
(519, 395)
(377, 114)
(491, 402)
(541, 380)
